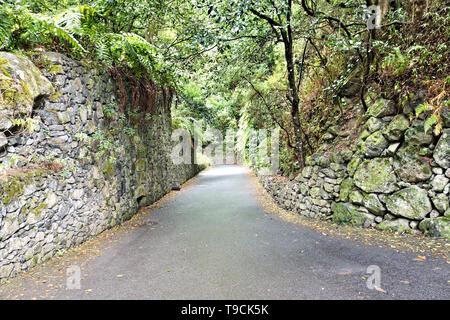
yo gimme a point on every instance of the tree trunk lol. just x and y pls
(293, 97)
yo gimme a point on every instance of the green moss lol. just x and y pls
(5, 67)
(54, 69)
(109, 169)
(14, 187)
(383, 227)
(395, 229)
(353, 165)
(34, 261)
(426, 170)
(346, 213)
(26, 90)
(47, 257)
(11, 190)
(56, 95)
(345, 188)
(38, 210)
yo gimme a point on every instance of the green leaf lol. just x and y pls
(422, 108)
(429, 122)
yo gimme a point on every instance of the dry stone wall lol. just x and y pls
(398, 177)
(83, 169)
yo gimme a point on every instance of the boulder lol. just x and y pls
(437, 227)
(373, 204)
(442, 151)
(374, 145)
(25, 83)
(345, 188)
(396, 128)
(381, 108)
(412, 203)
(416, 135)
(410, 167)
(376, 175)
(355, 197)
(439, 182)
(373, 124)
(353, 165)
(398, 225)
(441, 202)
(346, 213)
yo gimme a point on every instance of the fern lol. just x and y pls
(6, 25)
(51, 26)
(79, 27)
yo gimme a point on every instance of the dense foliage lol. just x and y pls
(303, 65)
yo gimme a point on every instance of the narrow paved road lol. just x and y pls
(212, 240)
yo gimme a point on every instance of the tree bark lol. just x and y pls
(293, 92)
(293, 97)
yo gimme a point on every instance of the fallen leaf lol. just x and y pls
(420, 258)
(380, 290)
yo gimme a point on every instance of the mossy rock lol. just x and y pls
(363, 136)
(412, 203)
(396, 128)
(348, 214)
(399, 225)
(381, 108)
(373, 204)
(442, 151)
(410, 167)
(22, 82)
(373, 124)
(376, 175)
(35, 215)
(353, 165)
(437, 227)
(345, 189)
(11, 189)
(355, 197)
(374, 145)
(416, 135)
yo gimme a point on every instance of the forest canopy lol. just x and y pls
(304, 66)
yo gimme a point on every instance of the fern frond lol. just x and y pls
(6, 26)
(49, 25)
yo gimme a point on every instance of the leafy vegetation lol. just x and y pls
(303, 65)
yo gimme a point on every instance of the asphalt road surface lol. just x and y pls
(212, 240)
